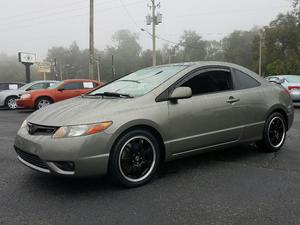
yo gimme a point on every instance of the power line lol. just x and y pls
(172, 42)
(69, 17)
(63, 6)
(129, 14)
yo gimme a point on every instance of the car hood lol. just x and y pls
(81, 111)
(11, 92)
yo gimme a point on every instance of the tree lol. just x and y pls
(193, 47)
(282, 45)
(127, 51)
(238, 48)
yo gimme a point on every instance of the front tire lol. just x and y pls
(274, 133)
(134, 158)
(42, 102)
(11, 102)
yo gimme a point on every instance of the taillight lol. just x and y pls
(293, 88)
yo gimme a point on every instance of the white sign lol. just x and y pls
(12, 86)
(27, 57)
(44, 67)
(88, 85)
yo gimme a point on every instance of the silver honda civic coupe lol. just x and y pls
(129, 126)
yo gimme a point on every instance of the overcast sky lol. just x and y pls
(36, 25)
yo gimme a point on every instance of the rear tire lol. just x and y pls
(42, 102)
(134, 158)
(11, 103)
(274, 133)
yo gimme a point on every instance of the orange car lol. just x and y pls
(60, 91)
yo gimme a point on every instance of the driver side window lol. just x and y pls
(210, 82)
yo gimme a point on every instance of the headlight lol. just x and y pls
(26, 96)
(24, 124)
(80, 130)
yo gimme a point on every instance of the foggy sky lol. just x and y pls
(36, 25)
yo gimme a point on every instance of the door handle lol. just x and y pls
(232, 100)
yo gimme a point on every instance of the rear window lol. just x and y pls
(88, 85)
(3, 86)
(73, 86)
(245, 81)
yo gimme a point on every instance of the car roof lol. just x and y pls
(12, 82)
(80, 80)
(44, 81)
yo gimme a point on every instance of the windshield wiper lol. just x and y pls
(112, 94)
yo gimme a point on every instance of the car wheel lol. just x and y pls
(274, 133)
(134, 158)
(11, 102)
(42, 102)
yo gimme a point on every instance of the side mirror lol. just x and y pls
(181, 93)
(60, 89)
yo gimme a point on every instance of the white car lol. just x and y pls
(8, 97)
(290, 82)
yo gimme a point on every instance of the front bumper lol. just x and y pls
(89, 154)
(25, 103)
(2, 100)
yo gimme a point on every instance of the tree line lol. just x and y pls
(280, 41)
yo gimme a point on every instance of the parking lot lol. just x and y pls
(234, 186)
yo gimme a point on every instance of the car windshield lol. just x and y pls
(292, 79)
(26, 86)
(55, 85)
(140, 82)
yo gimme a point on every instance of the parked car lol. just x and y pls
(290, 83)
(129, 126)
(8, 98)
(58, 92)
(10, 85)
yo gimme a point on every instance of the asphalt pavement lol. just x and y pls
(234, 186)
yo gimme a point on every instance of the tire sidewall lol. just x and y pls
(114, 169)
(266, 141)
(7, 100)
(36, 105)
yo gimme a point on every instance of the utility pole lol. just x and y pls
(91, 60)
(260, 55)
(153, 33)
(98, 67)
(155, 19)
(113, 71)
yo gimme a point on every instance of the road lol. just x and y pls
(235, 186)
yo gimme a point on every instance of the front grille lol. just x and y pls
(35, 129)
(30, 158)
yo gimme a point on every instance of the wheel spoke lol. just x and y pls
(276, 131)
(137, 158)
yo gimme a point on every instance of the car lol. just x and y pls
(10, 85)
(61, 91)
(290, 83)
(129, 126)
(8, 97)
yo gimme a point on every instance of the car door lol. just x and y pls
(207, 118)
(252, 103)
(68, 90)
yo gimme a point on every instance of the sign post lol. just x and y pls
(27, 59)
(44, 67)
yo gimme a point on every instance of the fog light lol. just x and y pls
(65, 166)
